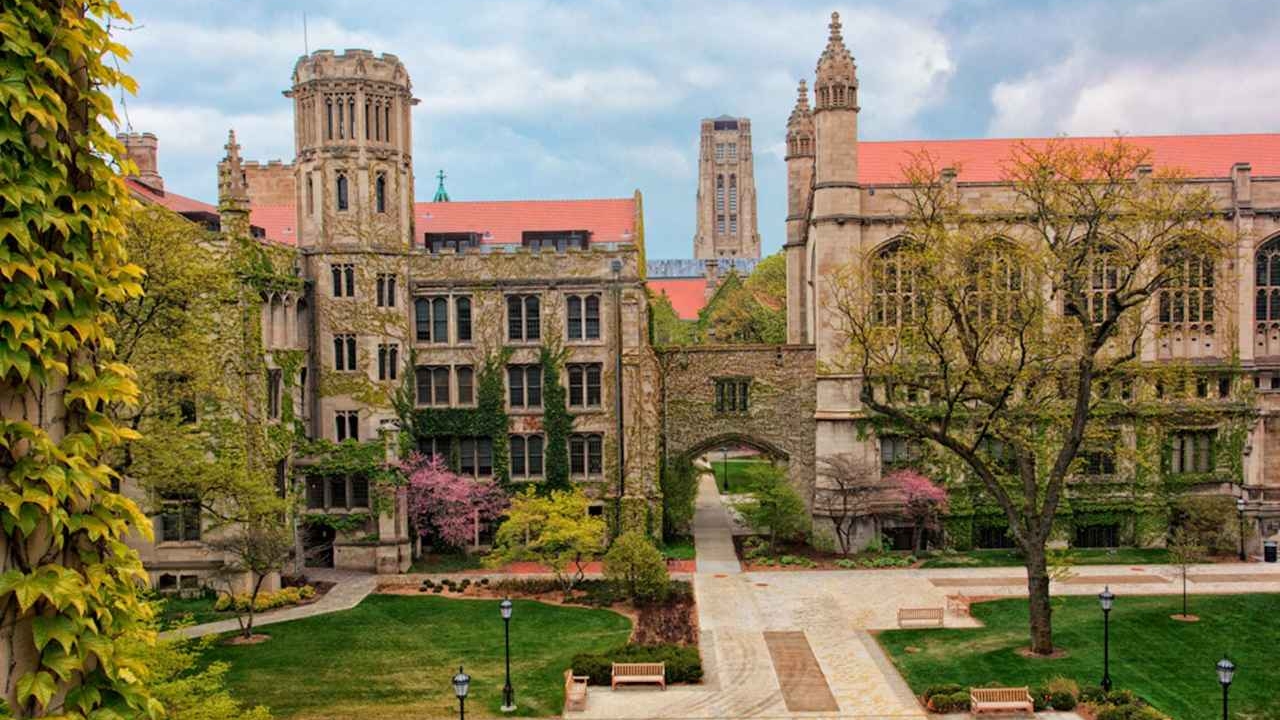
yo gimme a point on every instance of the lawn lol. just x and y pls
(393, 657)
(194, 611)
(679, 549)
(1169, 663)
(735, 473)
(1079, 556)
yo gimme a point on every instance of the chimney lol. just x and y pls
(142, 149)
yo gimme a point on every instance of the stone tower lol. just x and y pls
(726, 191)
(233, 193)
(799, 194)
(353, 137)
(143, 149)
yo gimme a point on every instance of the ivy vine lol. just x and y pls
(556, 421)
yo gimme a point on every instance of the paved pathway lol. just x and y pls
(350, 589)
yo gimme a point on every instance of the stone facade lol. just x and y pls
(726, 191)
(835, 216)
(272, 183)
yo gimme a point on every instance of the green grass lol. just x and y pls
(193, 611)
(736, 473)
(679, 549)
(447, 562)
(393, 656)
(1169, 663)
(1079, 556)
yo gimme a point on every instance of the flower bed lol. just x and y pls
(753, 553)
(284, 597)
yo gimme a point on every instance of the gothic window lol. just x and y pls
(732, 395)
(733, 194)
(351, 116)
(524, 386)
(367, 104)
(894, 298)
(386, 290)
(720, 194)
(179, 519)
(386, 122)
(733, 152)
(526, 456)
(311, 196)
(346, 425)
(439, 320)
(344, 279)
(462, 309)
(524, 320)
(1191, 451)
(1266, 305)
(274, 379)
(719, 152)
(995, 287)
(431, 384)
(583, 317)
(586, 454)
(1187, 296)
(343, 200)
(466, 377)
(377, 120)
(422, 319)
(388, 360)
(1103, 279)
(328, 112)
(475, 456)
(584, 384)
(344, 353)
(380, 193)
(733, 224)
(341, 133)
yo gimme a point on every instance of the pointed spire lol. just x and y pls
(233, 192)
(802, 96)
(800, 125)
(837, 75)
(442, 195)
(834, 26)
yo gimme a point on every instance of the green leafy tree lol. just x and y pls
(774, 507)
(1004, 347)
(666, 327)
(637, 568)
(73, 629)
(554, 530)
(750, 310)
(191, 689)
(556, 420)
(255, 547)
(1185, 550)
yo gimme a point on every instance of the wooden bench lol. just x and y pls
(630, 673)
(1000, 700)
(575, 691)
(920, 616)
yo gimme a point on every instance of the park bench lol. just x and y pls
(1000, 699)
(628, 673)
(575, 691)
(920, 616)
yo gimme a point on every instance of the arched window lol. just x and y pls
(343, 199)
(367, 105)
(380, 193)
(995, 286)
(733, 194)
(894, 298)
(1266, 304)
(328, 111)
(720, 194)
(1103, 279)
(351, 115)
(1187, 297)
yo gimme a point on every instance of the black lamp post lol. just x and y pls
(508, 692)
(1226, 670)
(461, 684)
(724, 465)
(1106, 599)
(1240, 513)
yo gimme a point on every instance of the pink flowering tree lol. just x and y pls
(447, 506)
(924, 501)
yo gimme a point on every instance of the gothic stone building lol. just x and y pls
(726, 206)
(843, 203)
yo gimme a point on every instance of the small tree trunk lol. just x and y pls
(1038, 597)
(917, 537)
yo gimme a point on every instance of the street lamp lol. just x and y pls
(1240, 513)
(461, 683)
(1226, 670)
(724, 465)
(1106, 599)
(508, 692)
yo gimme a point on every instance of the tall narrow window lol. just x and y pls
(465, 376)
(386, 290)
(388, 360)
(346, 425)
(591, 313)
(343, 201)
(584, 384)
(524, 319)
(733, 194)
(273, 393)
(422, 319)
(328, 110)
(341, 134)
(367, 103)
(1191, 451)
(432, 385)
(386, 123)
(586, 454)
(573, 311)
(344, 353)
(380, 193)
(351, 115)
(1188, 297)
(377, 121)
(526, 456)
(720, 194)
(462, 308)
(524, 386)
(439, 320)
(311, 195)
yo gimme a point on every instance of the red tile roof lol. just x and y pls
(171, 200)
(982, 160)
(277, 221)
(687, 295)
(503, 221)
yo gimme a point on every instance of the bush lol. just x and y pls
(955, 701)
(1122, 697)
(636, 568)
(265, 600)
(796, 560)
(1062, 701)
(1092, 694)
(959, 701)
(1040, 698)
(1209, 521)
(679, 483)
(1063, 685)
(683, 663)
(775, 507)
(943, 689)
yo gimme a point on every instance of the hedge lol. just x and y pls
(683, 662)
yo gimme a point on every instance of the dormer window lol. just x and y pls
(555, 240)
(437, 243)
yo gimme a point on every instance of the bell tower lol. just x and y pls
(800, 148)
(353, 139)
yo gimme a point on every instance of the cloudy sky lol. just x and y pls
(543, 99)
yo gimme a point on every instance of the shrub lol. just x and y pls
(1063, 685)
(683, 663)
(796, 560)
(1040, 698)
(1062, 701)
(941, 704)
(1122, 697)
(1209, 521)
(943, 689)
(1092, 694)
(636, 568)
(959, 701)
(265, 600)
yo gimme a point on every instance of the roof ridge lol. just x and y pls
(1200, 136)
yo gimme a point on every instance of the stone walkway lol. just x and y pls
(349, 590)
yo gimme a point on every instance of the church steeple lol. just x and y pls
(800, 125)
(836, 85)
(233, 192)
(442, 195)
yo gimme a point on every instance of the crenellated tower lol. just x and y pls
(353, 138)
(800, 153)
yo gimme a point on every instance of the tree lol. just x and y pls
(747, 311)
(73, 635)
(635, 566)
(774, 506)
(192, 690)
(666, 327)
(850, 493)
(1184, 551)
(554, 530)
(923, 501)
(447, 506)
(255, 547)
(1017, 317)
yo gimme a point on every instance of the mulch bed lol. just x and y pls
(822, 560)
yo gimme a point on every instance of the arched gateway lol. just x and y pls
(761, 396)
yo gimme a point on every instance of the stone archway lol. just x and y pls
(777, 417)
